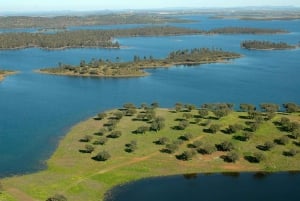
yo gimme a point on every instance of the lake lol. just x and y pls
(211, 187)
(37, 110)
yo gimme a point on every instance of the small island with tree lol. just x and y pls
(134, 142)
(106, 68)
(266, 45)
(4, 73)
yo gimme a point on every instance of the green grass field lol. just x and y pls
(78, 177)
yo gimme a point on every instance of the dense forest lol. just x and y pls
(106, 68)
(104, 38)
(66, 21)
(266, 45)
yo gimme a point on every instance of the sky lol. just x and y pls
(83, 5)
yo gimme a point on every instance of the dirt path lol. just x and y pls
(19, 195)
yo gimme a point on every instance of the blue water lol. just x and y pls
(37, 110)
(212, 187)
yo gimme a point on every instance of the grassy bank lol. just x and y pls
(73, 173)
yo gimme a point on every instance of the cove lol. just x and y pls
(211, 187)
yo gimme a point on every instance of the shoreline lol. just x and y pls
(73, 173)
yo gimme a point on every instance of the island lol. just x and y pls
(266, 45)
(106, 68)
(133, 142)
(4, 73)
(107, 38)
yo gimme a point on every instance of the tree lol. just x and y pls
(157, 124)
(269, 145)
(219, 113)
(57, 197)
(89, 148)
(178, 107)
(247, 107)
(100, 141)
(101, 115)
(186, 155)
(269, 107)
(115, 134)
(258, 157)
(190, 107)
(131, 147)
(232, 156)
(86, 138)
(214, 128)
(235, 128)
(171, 148)
(247, 135)
(225, 146)
(163, 140)
(118, 115)
(291, 107)
(102, 156)
(292, 152)
(197, 144)
(129, 106)
(155, 105)
(142, 129)
(187, 115)
(203, 113)
(183, 124)
(284, 140)
(207, 149)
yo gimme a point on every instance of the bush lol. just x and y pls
(291, 152)
(142, 129)
(258, 157)
(214, 128)
(269, 145)
(183, 125)
(57, 197)
(171, 148)
(102, 156)
(101, 115)
(235, 128)
(101, 132)
(197, 144)
(186, 137)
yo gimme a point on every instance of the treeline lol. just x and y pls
(107, 68)
(264, 45)
(245, 30)
(84, 38)
(103, 38)
(67, 21)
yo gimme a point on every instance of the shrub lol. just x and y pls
(142, 129)
(171, 148)
(214, 128)
(101, 115)
(235, 128)
(131, 147)
(183, 125)
(197, 144)
(258, 157)
(102, 156)
(268, 145)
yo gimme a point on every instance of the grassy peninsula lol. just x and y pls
(266, 45)
(105, 68)
(130, 143)
(4, 73)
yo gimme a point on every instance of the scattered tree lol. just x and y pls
(57, 197)
(115, 134)
(225, 146)
(102, 156)
(232, 156)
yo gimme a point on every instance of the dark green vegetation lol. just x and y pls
(147, 141)
(67, 21)
(104, 68)
(266, 45)
(104, 38)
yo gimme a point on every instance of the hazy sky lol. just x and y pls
(51, 5)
